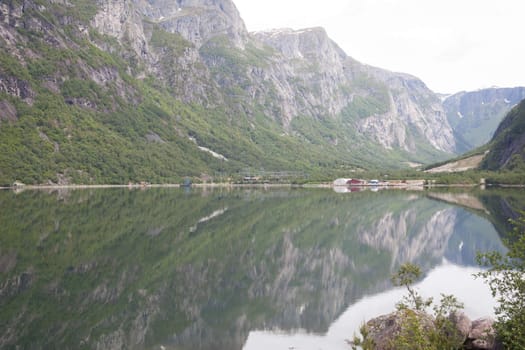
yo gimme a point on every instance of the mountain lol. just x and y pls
(503, 156)
(475, 115)
(121, 90)
(507, 147)
(392, 109)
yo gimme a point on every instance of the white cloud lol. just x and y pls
(452, 45)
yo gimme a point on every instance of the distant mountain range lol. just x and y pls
(164, 89)
(474, 116)
(504, 154)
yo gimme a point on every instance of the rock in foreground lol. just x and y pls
(407, 327)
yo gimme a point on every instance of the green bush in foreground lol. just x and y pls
(416, 329)
(506, 279)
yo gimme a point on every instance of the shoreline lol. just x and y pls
(138, 186)
(418, 186)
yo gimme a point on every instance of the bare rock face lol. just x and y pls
(198, 20)
(414, 112)
(121, 20)
(326, 81)
(384, 330)
(482, 335)
(7, 111)
(462, 323)
(11, 13)
(194, 21)
(17, 284)
(308, 71)
(16, 88)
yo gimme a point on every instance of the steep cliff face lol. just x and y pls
(307, 70)
(415, 114)
(475, 115)
(144, 26)
(395, 110)
(308, 73)
(197, 21)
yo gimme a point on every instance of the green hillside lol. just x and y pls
(475, 115)
(507, 148)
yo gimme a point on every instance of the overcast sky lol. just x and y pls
(452, 45)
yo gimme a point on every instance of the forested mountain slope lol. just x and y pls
(120, 90)
(507, 148)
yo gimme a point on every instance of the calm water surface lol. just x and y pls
(230, 269)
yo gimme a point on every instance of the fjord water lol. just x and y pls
(227, 268)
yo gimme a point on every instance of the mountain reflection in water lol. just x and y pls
(474, 294)
(115, 269)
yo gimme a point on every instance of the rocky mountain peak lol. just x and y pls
(304, 43)
(198, 20)
(195, 20)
